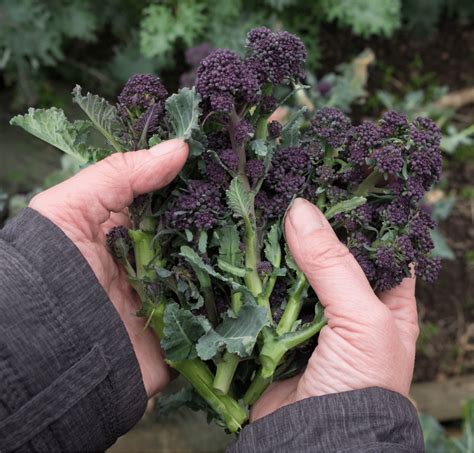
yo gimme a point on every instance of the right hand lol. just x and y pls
(369, 340)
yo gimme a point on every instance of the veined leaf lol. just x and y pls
(181, 332)
(229, 245)
(345, 206)
(196, 261)
(237, 335)
(290, 133)
(53, 127)
(238, 199)
(272, 245)
(259, 147)
(183, 112)
(101, 113)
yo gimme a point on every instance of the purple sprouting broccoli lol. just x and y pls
(198, 207)
(264, 268)
(229, 158)
(140, 93)
(254, 169)
(225, 81)
(274, 129)
(277, 57)
(268, 104)
(388, 159)
(243, 132)
(331, 125)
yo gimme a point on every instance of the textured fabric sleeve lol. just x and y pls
(69, 379)
(361, 421)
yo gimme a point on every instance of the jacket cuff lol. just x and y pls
(367, 420)
(72, 351)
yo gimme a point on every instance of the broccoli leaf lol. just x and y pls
(101, 113)
(238, 198)
(345, 206)
(183, 112)
(53, 127)
(259, 147)
(230, 269)
(229, 245)
(237, 335)
(290, 134)
(187, 396)
(441, 247)
(196, 261)
(181, 332)
(272, 245)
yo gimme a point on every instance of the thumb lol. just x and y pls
(113, 183)
(330, 268)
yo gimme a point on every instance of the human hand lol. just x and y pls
(87, 205)
(369, 339)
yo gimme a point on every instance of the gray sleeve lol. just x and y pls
(69, 379)
(360, 421)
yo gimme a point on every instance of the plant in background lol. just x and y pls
(437, 440)
(207, 255)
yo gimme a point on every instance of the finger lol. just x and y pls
(332, 271)
(402, 303)
(111, 184)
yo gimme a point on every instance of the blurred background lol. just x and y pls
(365, 56)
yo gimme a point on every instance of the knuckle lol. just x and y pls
(323, 253)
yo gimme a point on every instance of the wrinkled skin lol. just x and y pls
(369, 340)
(87, 205)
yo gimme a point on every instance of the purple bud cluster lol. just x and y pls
(198, 207)
(274, 129)
(141, 92)
(286, 177)
(224, 80)
(277, 57)
(243, 132)
(331, 125)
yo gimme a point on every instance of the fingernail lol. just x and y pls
(167, 147)
(305, 218)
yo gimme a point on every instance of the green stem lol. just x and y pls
(227, 366)
(293, 307)
(257, 387)
(368, 183)
(274, 349)
(225, 371)
(144, 253)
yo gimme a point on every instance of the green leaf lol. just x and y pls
(441, 247)
(345, 206)
(229, 245)
(53, 127)
(187, 396)
(366, 17)
(202, 243)
(197, 262)
(237, 335)
(181, 332)
(154, 140)
(238, 199)
(259, 147)
(183, 112)
(272, 245)
(466, 442)
(101, 113)
(433, 434)
(163, 25)
(290, 134)
(230, 269)
(289, 260)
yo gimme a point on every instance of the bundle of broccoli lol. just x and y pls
(207, 255)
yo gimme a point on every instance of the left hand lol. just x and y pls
(88, 205)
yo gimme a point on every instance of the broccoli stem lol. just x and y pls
(225, 371)
(144, 253)
(273, 350)
(293, 307)
(257, 387)
(368, 183)
(261, 129)
(227, 366)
